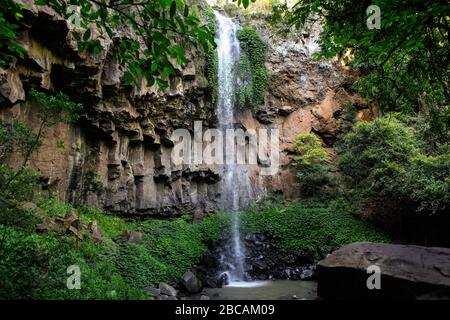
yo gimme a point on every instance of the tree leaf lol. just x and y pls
(87, 35)
(173, 9)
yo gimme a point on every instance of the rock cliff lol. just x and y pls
(117, 156)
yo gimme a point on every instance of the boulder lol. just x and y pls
(133, 236)
(191, 283)
(153, 291)
(167, 290)
(406, 272)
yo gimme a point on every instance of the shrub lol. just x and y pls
(253, 77)
(309, 225)
(387, 158)
(35, 265)
(211, 66)
(310, 160)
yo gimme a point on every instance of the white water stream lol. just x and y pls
(236, 187)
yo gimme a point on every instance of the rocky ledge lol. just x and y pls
(406, 272)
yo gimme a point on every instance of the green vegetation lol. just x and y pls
(404, 65)
(310, 160)
(211, 56)
(387, 158)
(309, 224)
(34, 265)
(10, 14)
(253, 77)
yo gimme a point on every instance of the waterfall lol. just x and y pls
(235, 185)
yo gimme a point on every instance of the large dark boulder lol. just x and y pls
(407, 272)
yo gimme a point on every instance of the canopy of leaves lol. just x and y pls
(404, 64)
(10, 13)
(387, 158)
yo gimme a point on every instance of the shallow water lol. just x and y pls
(266, 290)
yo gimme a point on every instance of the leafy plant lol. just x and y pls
(211, 67)
(10, 14)
(310, 160)
(404, 65)
(310, 225)
(253, 77)
(34, 266)
(387, 158)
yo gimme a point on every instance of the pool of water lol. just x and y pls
(266, 290)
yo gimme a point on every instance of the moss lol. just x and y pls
(211, 66)
(253, 75)
(309, 225)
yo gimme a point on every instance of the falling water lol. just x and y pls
(236, 188)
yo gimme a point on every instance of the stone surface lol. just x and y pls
(190, 282)
(133, 236)
(407, 271)
(153, 291)
(263, 262)
(70, 223)
(167, 290)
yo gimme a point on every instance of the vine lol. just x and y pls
(211, 55)
(253, 77)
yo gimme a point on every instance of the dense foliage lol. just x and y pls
(253, 77)
(309, 225)
(10, 14)
(309, 158)
(35, 265)
(211, 70)
(385, 157)
(404, 65)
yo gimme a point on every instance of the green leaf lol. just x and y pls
(87, 35)
(154, 66)
(173, 9)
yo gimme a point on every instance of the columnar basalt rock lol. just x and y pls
(117, 157)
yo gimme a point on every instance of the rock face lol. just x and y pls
(407, 272)
(118, 156)
(304, 95)
(263, 261)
